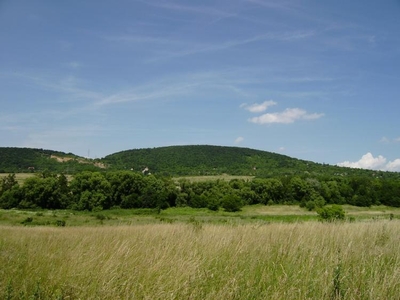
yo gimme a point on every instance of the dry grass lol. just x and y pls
(224, 177)
(20, 177)
(276, 210)
(196, 261)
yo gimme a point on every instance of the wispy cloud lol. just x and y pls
(384, 140)
(239, 140)
(290, 36)
(148, 92)
(288, 116)
(74, 65)
(387, 140)
(282, 149)
(61, 84)
(140, 39)
(368, 161)
(205, 10)
(257, 108)
(186, 84)
(279, 5)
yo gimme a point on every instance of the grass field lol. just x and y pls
(262, 252)
(254, 214)
(224, 177)
(22, 176)
(19, 176)
(309, 260)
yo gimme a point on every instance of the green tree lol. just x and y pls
(154, 193)
(9, 192)
(124, 184)
(11, 197)
(43, 192)
(90, 190)
(248, 195)
(313, 201)
(7, 183)
(182, 199)
(299, 189)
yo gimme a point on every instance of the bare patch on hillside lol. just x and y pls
(79, 160)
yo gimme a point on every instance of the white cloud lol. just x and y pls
(384, 140)
(368, 161)
(289, 115)
(393, 165)
(239, 140)
(389, 140)
(281, 149)
(257, 108)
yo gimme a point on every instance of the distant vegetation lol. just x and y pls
(217, 160)
(187, 242)
(261, 178)
(23, 160)
(175, 161)
(95, 191)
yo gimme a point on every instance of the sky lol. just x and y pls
(314, 80)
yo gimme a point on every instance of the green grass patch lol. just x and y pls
(248, 215)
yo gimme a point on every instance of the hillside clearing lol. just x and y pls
(20, 177)
(224, 177)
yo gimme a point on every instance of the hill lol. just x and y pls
(22, 160)
(193, 160)
(216, 160)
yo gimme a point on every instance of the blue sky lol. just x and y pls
(315, 80)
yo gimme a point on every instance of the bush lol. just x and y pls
(213, 203)
(28, 220)
(60, 223)
(333, 213)
(232, 203)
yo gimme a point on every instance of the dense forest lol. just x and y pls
(143, 178)
(95, 191)
(24, 160)
(177, 161)
(216, 160)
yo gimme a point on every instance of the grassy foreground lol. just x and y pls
(309, 260)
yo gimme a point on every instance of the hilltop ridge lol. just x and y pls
(175, 161)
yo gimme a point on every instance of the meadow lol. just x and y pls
(185, 253)
(20, 177)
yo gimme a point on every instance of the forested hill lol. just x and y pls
(200, 160)
(215, 160)
(22, 160)
(175, 161)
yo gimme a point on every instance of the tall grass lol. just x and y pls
(201, 261)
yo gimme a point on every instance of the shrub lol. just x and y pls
(60, 223)
(213, 203)
(333, 213)
(232, 203)
(100, 217)
(27, 220)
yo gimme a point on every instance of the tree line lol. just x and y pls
(126, 189)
